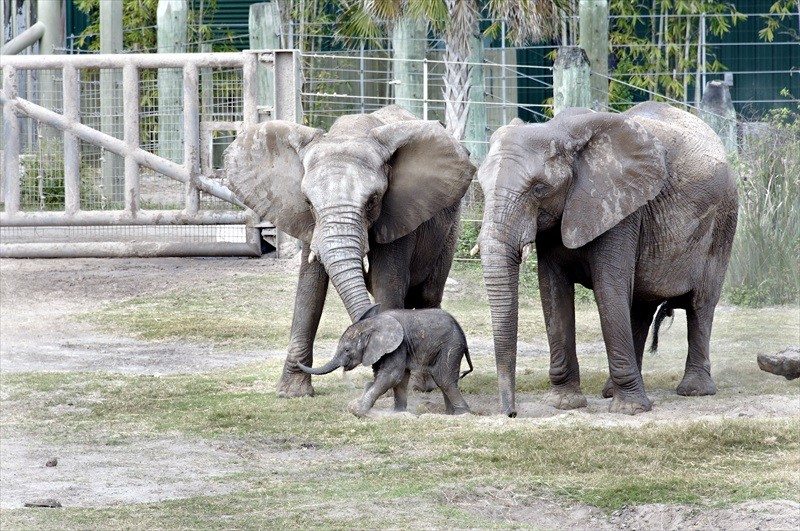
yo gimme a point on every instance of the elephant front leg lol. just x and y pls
(384, 380)
(627, 386)
(312, 286)
(558, 303)
(641, 319)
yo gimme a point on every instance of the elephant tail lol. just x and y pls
(664, 311)
(469, 362)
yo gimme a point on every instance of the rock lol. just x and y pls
(786, 363)
(46, 502)
(53, 461)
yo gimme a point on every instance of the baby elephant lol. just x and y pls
(398, 341)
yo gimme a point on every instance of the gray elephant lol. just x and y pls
(640, 207)
(393, 343)
(385, 186)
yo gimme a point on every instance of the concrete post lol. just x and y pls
(111, 119)
(593, 15)
(571, 84)
(409, 39)
(716, 109)
(172, 24)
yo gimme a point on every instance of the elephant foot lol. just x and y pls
(608, 389)
(630, 405)
(355, 408)
(294, 384)
(696, 384)
(422, 382)
(565, 399)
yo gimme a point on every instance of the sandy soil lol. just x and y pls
(37, 298)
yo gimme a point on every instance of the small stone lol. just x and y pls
(53, 461)
(46, 502)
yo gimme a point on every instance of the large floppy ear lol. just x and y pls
(429, 171)
(385, 335)
(264, 169)
(618, 168)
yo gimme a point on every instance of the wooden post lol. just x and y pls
(593, 15)
(716, 109)
(475, 135)
(264, 27)
(172, 24)
(571, 85)
(409, 40)
(111, 121)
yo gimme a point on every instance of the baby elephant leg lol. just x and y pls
(390, 375)
(401, 393)
(454, 403)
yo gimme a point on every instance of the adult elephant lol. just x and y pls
(640, 207)
(385, 186)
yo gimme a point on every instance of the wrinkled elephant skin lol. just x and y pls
(640, 207)
(385, 186)
(394, 342)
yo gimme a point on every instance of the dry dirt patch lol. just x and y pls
(38, 299)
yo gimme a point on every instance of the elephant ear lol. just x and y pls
(385, 335)
(618, 168)
(264, 168)
(429, 171)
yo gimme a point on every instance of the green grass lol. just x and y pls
(388, 462)
(397, 470)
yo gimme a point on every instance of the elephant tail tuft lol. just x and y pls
(664, 311)
(469, 362)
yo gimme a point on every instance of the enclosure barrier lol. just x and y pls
(207, 202)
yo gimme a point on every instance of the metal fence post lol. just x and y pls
(72, 151)
(110, 108)
(130, 100)
(11, 141)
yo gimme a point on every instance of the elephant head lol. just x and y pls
(581, 173)
(364, 342)
(377, 175)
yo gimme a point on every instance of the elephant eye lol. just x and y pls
(372, 202)
(540, 189)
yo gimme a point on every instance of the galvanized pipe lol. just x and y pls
(191, 136)
(152, 60)
(122, 217)
(130, 102)
(72, 155)
(125, 249)
(11, 143)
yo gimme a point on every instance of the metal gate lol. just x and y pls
(120, 155)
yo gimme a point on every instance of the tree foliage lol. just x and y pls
(656, 46)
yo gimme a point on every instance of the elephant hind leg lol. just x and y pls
(697, 375)
(401, 393)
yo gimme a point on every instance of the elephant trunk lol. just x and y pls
(325, 369)
(340, 244)
(501, 263)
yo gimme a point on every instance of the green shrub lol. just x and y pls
(764, 262)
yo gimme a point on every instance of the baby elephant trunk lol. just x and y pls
(325, 369)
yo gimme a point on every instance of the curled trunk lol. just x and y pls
(325, 369)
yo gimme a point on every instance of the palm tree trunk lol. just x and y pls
(462, 28)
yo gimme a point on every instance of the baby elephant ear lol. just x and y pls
(385, 335)
(264, 169)
(429, 171)
(619, 167)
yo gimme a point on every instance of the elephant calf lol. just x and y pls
(394, 343)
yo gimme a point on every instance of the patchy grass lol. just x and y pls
(310, 464)
(398, 466)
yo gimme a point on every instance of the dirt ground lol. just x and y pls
(38, 297)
